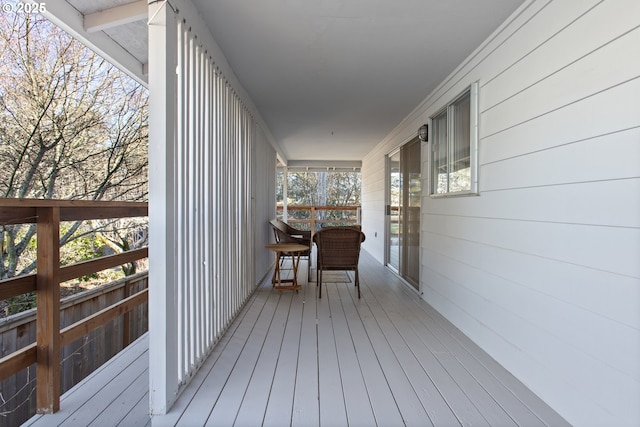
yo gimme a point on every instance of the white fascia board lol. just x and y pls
(325, 165)
(71, 20)
(119, 15)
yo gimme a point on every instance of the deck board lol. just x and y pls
(305, 399)
(387, 359)
(410, 349)
(226, 409)
(126, 401)
(139, 414)
(377, 326)
(383, 403)
(107, 396)
(515, 399)
(482, 388)
(94, 394)
(189, 392)
(280, 403)
(256, 398)
(356, 397)
(438, 410)
(211, 383)
(330, 389)
(230, 400)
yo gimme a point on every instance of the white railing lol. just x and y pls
(50, 338)
(215, 136)
(345, 215)
(204, 194)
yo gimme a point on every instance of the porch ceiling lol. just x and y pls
(331, 78)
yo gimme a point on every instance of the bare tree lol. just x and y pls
(72, 126)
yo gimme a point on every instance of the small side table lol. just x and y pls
(279, 249)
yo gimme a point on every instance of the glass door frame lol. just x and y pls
(395, 161)
(389, 210)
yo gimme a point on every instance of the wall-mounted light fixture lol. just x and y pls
(423, 133)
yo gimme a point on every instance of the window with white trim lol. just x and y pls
(454, 155)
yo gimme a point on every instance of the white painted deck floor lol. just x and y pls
(388, 359)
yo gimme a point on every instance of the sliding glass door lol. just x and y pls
(403, 211)
(393, 210)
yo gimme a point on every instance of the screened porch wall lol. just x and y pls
(204, 180)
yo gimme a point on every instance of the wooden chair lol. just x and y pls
(338, 249)
(284, 233)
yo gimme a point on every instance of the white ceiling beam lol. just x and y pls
(319, 165)
(61, 13)
(119, 15)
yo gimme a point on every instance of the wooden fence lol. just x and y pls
(79, 358)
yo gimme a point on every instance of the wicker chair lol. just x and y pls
(338, 249)
(284, 233)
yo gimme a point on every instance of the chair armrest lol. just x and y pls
(305, 234)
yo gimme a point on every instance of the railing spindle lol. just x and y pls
(126, 318)
(313, 220)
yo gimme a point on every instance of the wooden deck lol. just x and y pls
(387, 359)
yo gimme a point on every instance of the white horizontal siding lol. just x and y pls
(549, 44)
(605, 294)
(374, 200)
(599, 202)
(542, 269)
(603, 337)
(573, 83)
(567, 125)
(612, 249)
(598, 159)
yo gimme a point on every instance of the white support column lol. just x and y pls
(163, 364)
(285, 187)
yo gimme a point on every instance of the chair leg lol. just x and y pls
(357, 283)
(320, 286)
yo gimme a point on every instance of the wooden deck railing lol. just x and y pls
(45, 352)
(351, 215)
